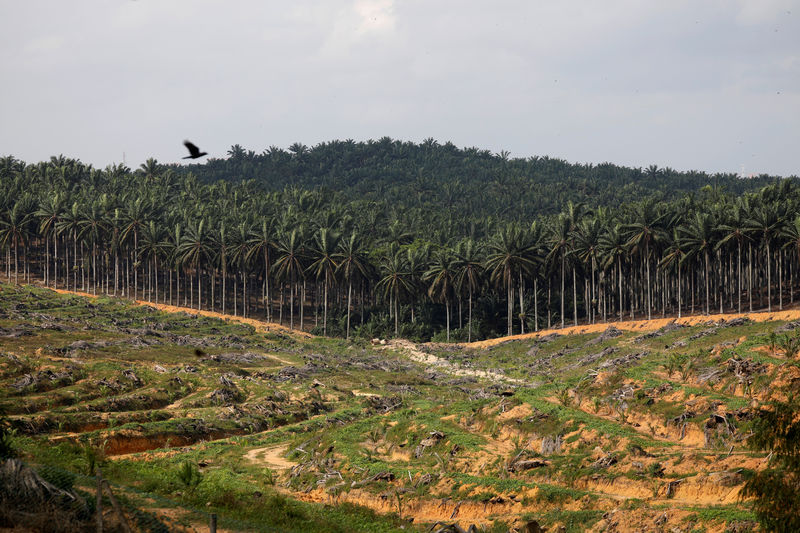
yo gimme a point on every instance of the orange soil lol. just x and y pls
(260, 325)
(641, 325)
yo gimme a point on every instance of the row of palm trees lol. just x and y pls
(158, 236)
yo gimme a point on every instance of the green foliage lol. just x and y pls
(774, 489)
(7, 447)
(93, 454)
(189, 475)
(790, 344)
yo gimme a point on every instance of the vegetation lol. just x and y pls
(777, 502)
(388, 238)
(188, 415)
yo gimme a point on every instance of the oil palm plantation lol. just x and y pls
(442, 278)
(352, 265)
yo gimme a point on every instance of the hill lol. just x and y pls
(431, 176)
(627, 429)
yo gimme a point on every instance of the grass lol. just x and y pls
(349, 438)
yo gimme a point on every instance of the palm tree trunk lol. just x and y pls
(619, 280)
(199, 288)
(647, 263)
(750, 274)
(55, 260)
(679, 288)
(447, 312)
(349, 301)
(780, 280)
(267, 299)
(291, 303)
(535, 304)
(563, 288)
(469, 323)
(16, 260)
(396, 319)
(521, 304)
(574, 296)
(739, 267)
(510, 303)
(325, 309)
(302, 306)
(706, 282)
(769, 280)
(47, 262)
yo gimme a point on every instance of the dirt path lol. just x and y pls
(430, 360)
(271, 456)
(260, 325)
(640, 325)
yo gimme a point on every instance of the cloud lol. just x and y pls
(689, 84)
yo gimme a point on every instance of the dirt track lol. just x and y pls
(627, 325)
(260, 325)
(642, 325)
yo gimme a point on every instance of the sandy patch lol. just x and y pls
(261, 326)
(271, 456)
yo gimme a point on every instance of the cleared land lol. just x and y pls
(613, 427)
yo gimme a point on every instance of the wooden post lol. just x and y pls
(99, 502)
(126, 528)
(212, 523)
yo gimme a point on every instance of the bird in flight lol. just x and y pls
(194, 151)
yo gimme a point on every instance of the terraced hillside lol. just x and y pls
(188, 415)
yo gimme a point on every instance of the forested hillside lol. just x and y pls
(437, 176)
(388, 238)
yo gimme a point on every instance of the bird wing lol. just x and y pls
(193, 150)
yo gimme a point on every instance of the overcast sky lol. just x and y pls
(691, 84)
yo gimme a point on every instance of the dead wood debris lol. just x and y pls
(384, 404)
(610, 333)
(672, 326)
(433, 438)
(605, 461)
(527, 464)
(44, 379)
(236, 358)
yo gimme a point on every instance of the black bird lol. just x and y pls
(194, 151)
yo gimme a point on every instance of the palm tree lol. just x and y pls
(323, 252)
(560, 242)
(763, 221)
(509, 253)
(587, 250)
(71, 223)
(14, 232)
(261, 243)
(49, 213)
(153, 246)
(698, 237)
(441, 275)
(469, 267)
(289, 265)
(395, 282)
(643, 233)
(352, 264)
(613, 245)
(136, 215)
(195, 249)
(92, 229)
(734, 229)
(221, 253)
(240, 256)
(675, 255)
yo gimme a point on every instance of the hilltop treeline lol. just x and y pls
(351, 264)
(433, 176)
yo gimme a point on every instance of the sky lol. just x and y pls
(710, 85)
